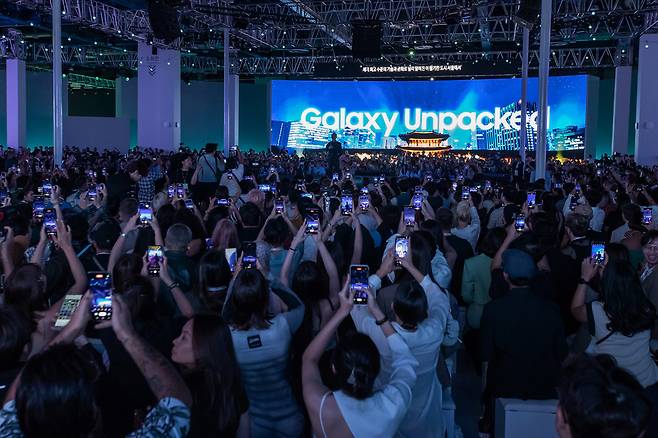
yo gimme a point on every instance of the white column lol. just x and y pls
(158, 98)
(231, 98)
(58, 112)
(523, 134)
(646, 125)
(16, 103)
(544, 58)
(621, 109)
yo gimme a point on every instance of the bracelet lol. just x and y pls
(382, 321)
(123, 235)
(292, 249)
(173, 286)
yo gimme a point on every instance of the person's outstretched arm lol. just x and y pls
(63, 240)
(159, 373)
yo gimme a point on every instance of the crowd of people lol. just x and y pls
(260, 294)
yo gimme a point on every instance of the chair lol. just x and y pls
(525, 418)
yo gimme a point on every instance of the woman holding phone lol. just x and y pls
(356, 409)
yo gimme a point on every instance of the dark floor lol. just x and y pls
(466, 393)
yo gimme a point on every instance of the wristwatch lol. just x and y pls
(382, 321)
(583, 281)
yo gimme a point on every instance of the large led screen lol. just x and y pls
(477, 114)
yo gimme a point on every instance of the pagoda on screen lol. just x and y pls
(424, 142)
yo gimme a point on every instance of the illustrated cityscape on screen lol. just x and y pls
(478, 114)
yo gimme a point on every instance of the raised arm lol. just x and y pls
(294, 247)
(512, 234)
(63, 240)
(117, 249)
(162, 378)
(330, 266)
(177, 293)
(40, 249)
(589, 270)
(358, 240)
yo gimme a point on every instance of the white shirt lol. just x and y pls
(472, 231)
(381, 414)
(618, 234)
(233, 183)
(598, 216)
(421, 420)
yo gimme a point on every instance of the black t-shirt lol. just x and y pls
(334, 148)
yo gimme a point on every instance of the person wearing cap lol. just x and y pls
(522, 339)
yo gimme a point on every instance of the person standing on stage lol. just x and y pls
(334, 150)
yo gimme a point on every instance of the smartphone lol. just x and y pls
(100, 285)
(272, 170)
(364, 190)
(264, 187)
(209, 244)
(598, 252)
(279, 206)
(249, 255)
(348, 175)
(334, 178)
(558, 185)
(189, 204)
(50, 222)
(532, 199)
(47, 188)
(38, 205)
(307, 195)
(401, 249)
(153, 257)
(359, 283)
(519, 222)
(577, 188)
(466, 193)
(428, 178)
(312, 223)
(573, 204)
(417, 202)
(231, 255)
(346, 205)
(364, 202)
(454, 186)
(171, 191)
(180, 190)
(409, 216)
(487, 185)
(91, 194)
(222, 202)
(647, 216)
(145, 214)
(71, 302)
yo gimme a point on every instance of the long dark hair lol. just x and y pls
(214, 278)
(356, 364)
(217, 401)
(625, 302)
(249, 301)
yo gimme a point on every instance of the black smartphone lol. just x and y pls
(531, 199)
(189, 204)
(222, 202)
(38, 206)
(364, 202)
(249, 258)
(466, 193)
(401, 248)
(519, 222)
(50, 222)
(409, 216)
(145, 214)
(417, 201)
(359, 283)
(279, 206)
(153, 256)
(100, 285)
(598, 252)
(47, 188)
(346, 205)
(312, 223)
(647, 216)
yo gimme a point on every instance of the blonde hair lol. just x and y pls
(463, 211)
